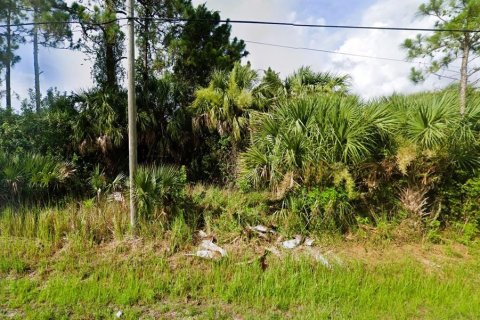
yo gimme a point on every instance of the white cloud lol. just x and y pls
(269, 10)
(68, 71)
(377, 77)
(369, 77)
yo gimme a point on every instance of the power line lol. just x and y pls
(342, 53)
(252, 22)
(445, 77)
(42, 23)
(306, 25)
(255, 22)
(267, 23)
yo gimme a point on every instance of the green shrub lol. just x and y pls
(327, 208)
(32, 178)
(224, 211)
(180, 233)
(463, 207)
(159, 190)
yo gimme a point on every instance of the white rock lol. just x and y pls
(320, 258)
(202, 234)
(261, 228)
(209, 245)
(205, 254)
(119, 314)
(309, 242)
(118, 197)
(292, 244)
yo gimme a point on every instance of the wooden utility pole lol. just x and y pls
(132, 111)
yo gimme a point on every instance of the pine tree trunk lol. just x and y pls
(110, 65)
(36, 67)
(8, 66)
(464, 74)
(110, 46)
(146, 45)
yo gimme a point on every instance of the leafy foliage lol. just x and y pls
(31, 178)
(159, 190)
(306, 81)
(201, 46)
(302, 137)
(444, 47)
(324, 158)
(224, 104)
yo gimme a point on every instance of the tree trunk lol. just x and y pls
(8, 89)
(146, 48)
(110, 64)
(110, 39)
(464, 74)
(36, 65)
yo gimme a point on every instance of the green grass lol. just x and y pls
(143, 280)
(79, 262)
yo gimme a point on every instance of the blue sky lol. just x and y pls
(68, 71)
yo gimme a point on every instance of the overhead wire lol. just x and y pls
(306, 25)
(252, 22)
(271, 23)
(340, 53)
(42, 23)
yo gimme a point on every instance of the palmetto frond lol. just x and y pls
(224, 105)
(300, 134)
(305, 81)
(156, 186)
(31, 174)
(428, 123)
(270, 90)
(98, 124)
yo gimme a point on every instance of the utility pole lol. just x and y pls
(132, 112)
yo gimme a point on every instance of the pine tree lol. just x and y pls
(102, 40)
(445, 47)
(47, 35)
(12, 36)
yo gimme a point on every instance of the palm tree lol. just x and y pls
(301, 136)
(164, 127)
(99, 124)
(225, 104)
(430, 143)
(439, 138)
(305, 81)
(270, 90)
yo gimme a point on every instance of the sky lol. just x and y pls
(69, 71)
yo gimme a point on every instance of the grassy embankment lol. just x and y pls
(78, 263)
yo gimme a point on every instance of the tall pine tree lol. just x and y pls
(102, 40)
(12, 35)
(47, 35)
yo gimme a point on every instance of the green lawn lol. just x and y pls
(143, 281)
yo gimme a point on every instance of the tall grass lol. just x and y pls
(92, 223)
(143, 282)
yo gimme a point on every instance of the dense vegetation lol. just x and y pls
(224, 149)
(327, 158)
